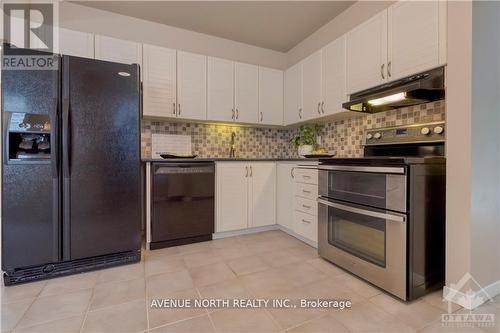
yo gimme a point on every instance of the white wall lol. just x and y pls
(473, 144)
(77, 17)
(485, 142)
(458, 145)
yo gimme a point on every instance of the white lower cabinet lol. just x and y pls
(296, 206)
(232, 196)
(285, 187)
(262, 188)
(306, 225)
(305, 207)
(246, 195)
(258, 194)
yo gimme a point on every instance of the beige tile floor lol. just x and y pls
(269, 265)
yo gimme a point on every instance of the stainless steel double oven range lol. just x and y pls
(382, 217)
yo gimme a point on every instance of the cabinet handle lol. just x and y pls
(389, 69)
(306, 176)
(232, 117)
(319, 111)
(306, 221)
(173, 104)
(323, 107)
(306, 206)
(382, 71)
(261, 116)
(179, 108)
(246, 174)
(300, 113)
(251, 171)
(292, 172)
(236, 113)
(306, 191)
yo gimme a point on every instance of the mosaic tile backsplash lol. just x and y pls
(343, 137)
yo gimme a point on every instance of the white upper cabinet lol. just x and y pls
(246, 93)
(220, 89)
(407, 38)
(414, 37)
(159, 84)
(367, 54)
(334, 76)
(76, 43)
(117, 50)
(311, 86)
(262, 210)
(191, 86)
(293, 95)
(270, 96)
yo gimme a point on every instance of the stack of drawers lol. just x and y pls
(305, 204)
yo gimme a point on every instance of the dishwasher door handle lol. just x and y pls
(184, 168)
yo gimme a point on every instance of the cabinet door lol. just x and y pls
(231, 196)
(367, 54)
(263, 194)
(270, 96)
(413, 37)
(159, 94)
(293, 95)
(334, 77)
(246, 92)
(117, 50)
(285, 190)
(220, 89)
(191, 86)
(76, 43)
(311, 86)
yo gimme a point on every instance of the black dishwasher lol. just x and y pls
(183, 203)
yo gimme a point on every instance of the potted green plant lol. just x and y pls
(305, 139)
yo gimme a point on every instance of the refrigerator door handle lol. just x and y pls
(54, 128)
(66, 138)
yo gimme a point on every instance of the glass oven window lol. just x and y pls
(365, 188)
(360, 235)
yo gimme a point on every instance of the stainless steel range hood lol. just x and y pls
(412, 90)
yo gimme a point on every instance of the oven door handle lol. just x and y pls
(385, 216)
(371, 169)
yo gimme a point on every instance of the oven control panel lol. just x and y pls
(429, 132)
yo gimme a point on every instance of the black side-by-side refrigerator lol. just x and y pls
(71, 185)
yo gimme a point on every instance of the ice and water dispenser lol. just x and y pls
(28, 137)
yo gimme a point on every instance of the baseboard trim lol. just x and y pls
(247, 231)
(473, 300)
(299, 237)
(219, 235)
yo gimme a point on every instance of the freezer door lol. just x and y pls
(30, 189)
(101, 158)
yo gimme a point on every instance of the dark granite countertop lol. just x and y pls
(222, 159)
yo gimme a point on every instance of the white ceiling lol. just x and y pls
(276, 25)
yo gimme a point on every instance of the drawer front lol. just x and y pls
(306, 225)
(307, 191)
(308, 176)
(306, 206)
